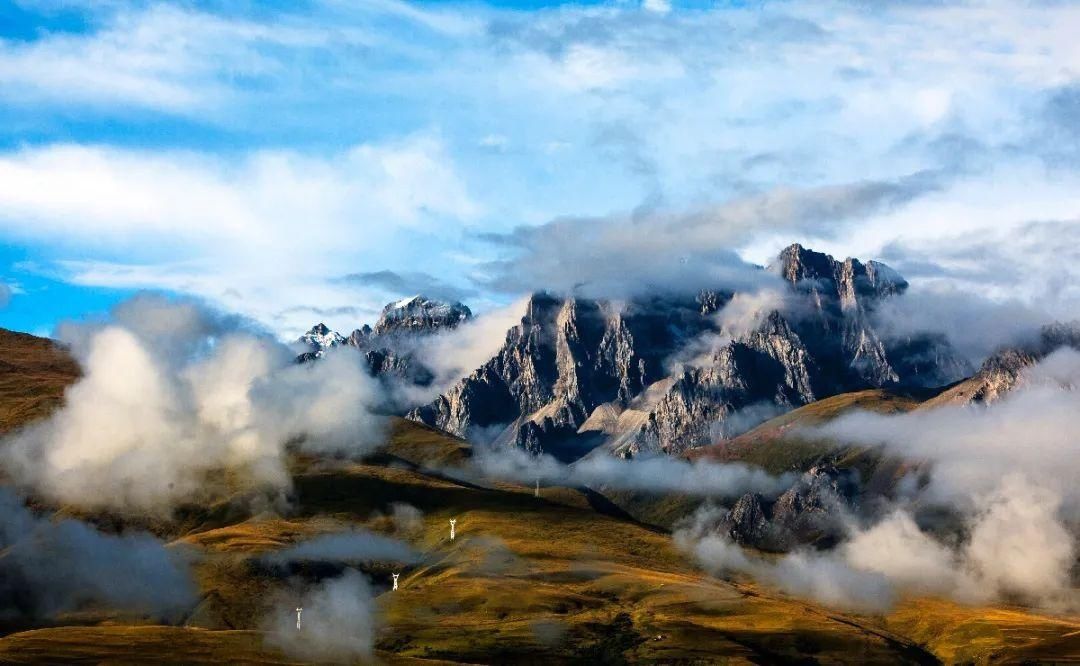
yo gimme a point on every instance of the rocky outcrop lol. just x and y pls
(577, 371)
(746, 522)
(810, 512)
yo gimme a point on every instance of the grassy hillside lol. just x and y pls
(33, 375)
(557, 579)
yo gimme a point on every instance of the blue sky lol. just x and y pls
(277, 159)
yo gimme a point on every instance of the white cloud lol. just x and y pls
(658, 6)
(264, 198)
(259, 234)
(605, 107)
(172, 393)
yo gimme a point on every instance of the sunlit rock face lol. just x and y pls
(577, 373)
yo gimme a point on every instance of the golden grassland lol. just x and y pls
(563, 578)
(531, 580)
(33, 375)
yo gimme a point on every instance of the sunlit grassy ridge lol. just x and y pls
(33, 375)
(563, 578)
(528, 580)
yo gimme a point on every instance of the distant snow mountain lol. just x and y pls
(320, 339)
(420, 315)
(389, 346)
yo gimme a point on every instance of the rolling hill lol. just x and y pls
(559, 578)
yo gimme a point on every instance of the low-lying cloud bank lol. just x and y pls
(661, 474)
(48, 567)
(339, 618)
(1015, 549)
(1007, 470)
(352, 546)
(1031, 431)
(174, 394)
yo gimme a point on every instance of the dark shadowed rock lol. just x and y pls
(746, 522)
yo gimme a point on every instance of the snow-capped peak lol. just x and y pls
(320, 338)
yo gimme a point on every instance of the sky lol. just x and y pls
(311, 161)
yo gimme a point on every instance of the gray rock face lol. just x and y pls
(420, 315)
(565, 358)
(809, 511)
(746, 522)
(576, 372)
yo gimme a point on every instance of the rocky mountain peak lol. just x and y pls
(797, 264)
(578, 371)
(851, 283)
(320, 338)
(419, 314)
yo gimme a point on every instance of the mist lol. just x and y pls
(1007, 471)
(741, 315)
(453, 354)
(50, 567)
(970, 448)
(338, 622)
(173, 394)
(661, 474)
(1015, 550)
(352, 546)
(974, 324)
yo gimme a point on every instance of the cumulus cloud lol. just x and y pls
(5, 295)
(49, 567)
(338, 621)
(598, 108)
(170, 394)
(223, 228)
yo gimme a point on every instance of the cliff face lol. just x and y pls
(565, 359)
(577, 372)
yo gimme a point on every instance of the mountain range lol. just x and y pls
(662, 373)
